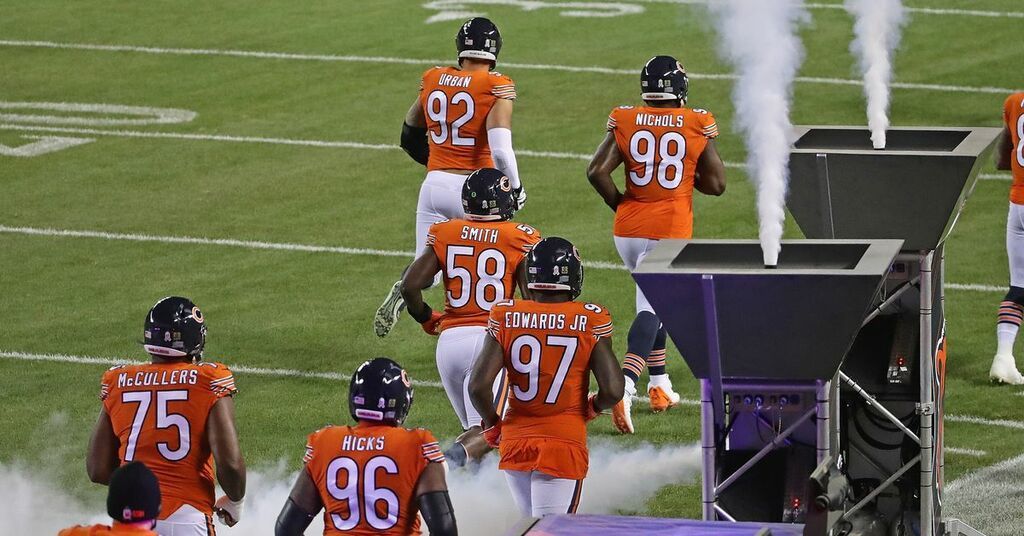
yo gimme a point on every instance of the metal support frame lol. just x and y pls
(927, 405)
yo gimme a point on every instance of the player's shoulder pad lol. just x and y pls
(623, 107)
(213, 369)
(117, 367)
(501, 77)
(597, 309)
(504, 303)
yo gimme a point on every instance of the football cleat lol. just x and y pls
(388, 312)
(1004, 370)
(661, 394)
(621, 413)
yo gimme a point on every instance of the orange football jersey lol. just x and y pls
(1013, 117)
(159, 414)
(456, 104)
(478, 262)
(660, 148)
(81, 530)
(547, 359)
(367, 475)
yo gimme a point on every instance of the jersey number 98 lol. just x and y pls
(658, 156)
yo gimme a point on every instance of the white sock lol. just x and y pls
(660, 380)
(1006, 334)
(630, 386)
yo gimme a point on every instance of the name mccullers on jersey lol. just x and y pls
(652, 120)
(362, 444)
(553, 321)
(454, 81)
(479, 235)
(153, 379)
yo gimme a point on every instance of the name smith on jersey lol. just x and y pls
(479, 235)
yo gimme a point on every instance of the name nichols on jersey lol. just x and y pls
(153, 379)
(651, 120)
(555, 321)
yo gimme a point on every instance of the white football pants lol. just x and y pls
(538, 494)
(186, 521)
(1015, 244)
(632, 251)
(440, 199)
(457, 349)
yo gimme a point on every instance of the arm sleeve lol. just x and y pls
(292, 521)
(500, 142)
(504, 88)
(414, 143)
(438, 514)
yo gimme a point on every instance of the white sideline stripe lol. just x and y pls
(284, 373)
(995, 176)
(971, 419)
(286, 246)
(840, 7)
(966, 452)
(432, 62)
(970, 479)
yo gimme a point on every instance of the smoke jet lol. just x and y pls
(759, 38)
(877, 28)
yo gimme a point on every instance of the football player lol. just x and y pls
(375, 477)
(481, 258)
(133, 501)
(548, 347)
(460, 122)
(177, 416)
(1010, 156)
(668, 150)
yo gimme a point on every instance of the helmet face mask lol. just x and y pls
(663, 78)
(175, 327)
(487, 196)
(479, 39)
(554, 264)
(380, 391)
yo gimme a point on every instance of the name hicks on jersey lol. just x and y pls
(556, 321)
(362, 443)
(454, 81)
(651, 120)
(479, 235)
(155, 379)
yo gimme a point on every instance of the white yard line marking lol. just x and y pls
(971, 419)
(431, 62)
(995, 176)
(285, 246)
(840, 7)
(966, 452)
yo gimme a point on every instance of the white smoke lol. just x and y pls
(877, 29)
(620, 480)
(760, 39)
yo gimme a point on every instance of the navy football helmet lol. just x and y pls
(175, 327)
(478, 38)
(487, 195)
(380, 391)
(663, 78)
(554, 264)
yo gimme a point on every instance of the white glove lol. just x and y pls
(229, 512)
(520, 194)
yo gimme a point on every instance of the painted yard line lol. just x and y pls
(971, 419)
(309, 248)
(995, 176)
(243, 369)
(966, 452)
(972, 478)
(430, 62)
(840, 7)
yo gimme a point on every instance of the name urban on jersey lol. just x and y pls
(555, 321)
(362, 443)
(154, 379)
(651, 120)
(479, 235)
(454, 81)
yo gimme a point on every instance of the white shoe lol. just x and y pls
(621, 413)
(1004, 370)
(388, 312)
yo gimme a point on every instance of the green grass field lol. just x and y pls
(252, 166)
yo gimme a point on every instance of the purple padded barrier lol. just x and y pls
(592, 525)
